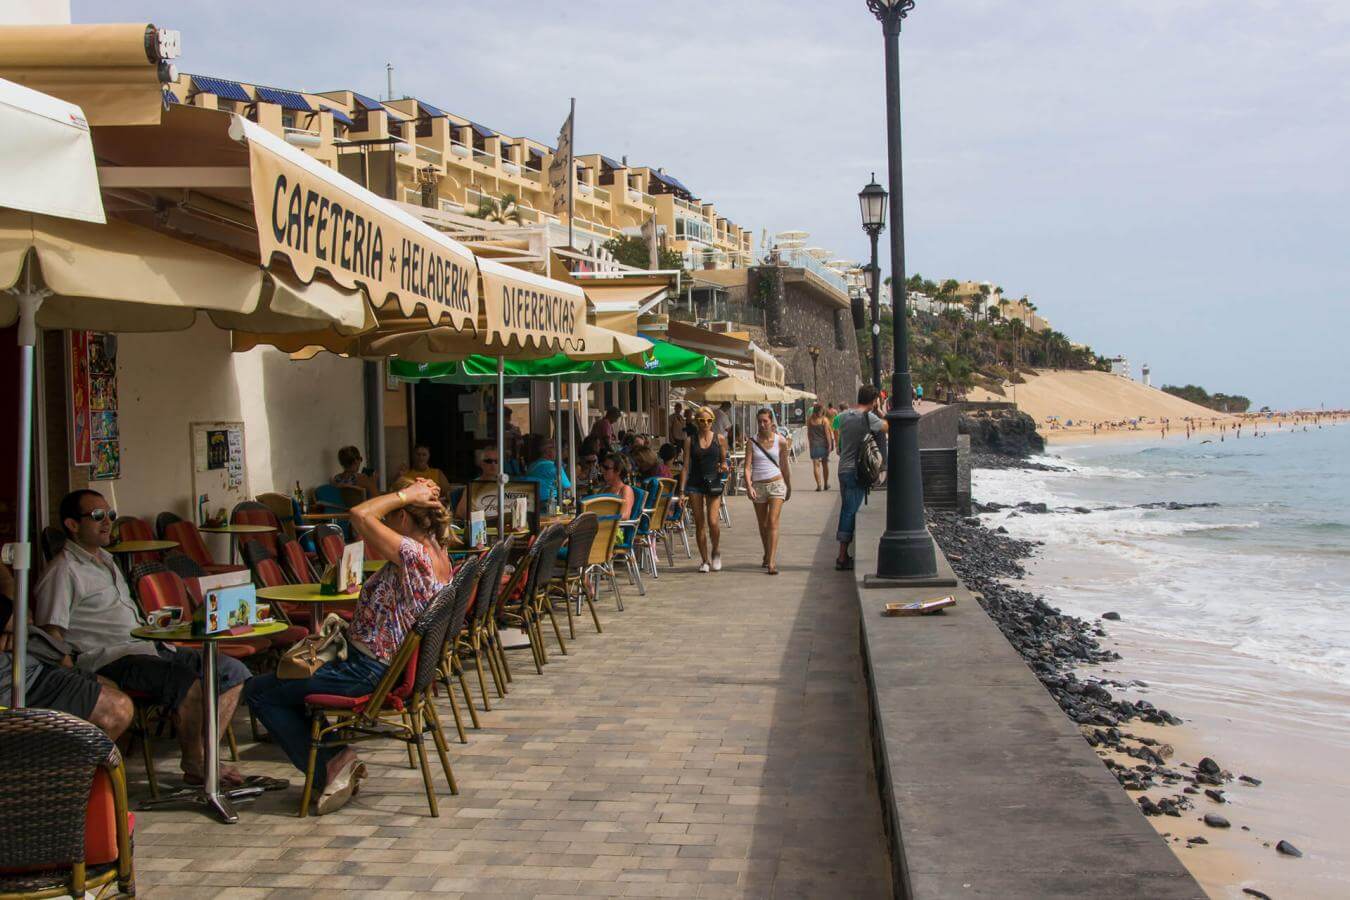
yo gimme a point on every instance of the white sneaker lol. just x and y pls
(717, 562)
(703, 567)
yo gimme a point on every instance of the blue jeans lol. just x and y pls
(850, 498)
(280, 705)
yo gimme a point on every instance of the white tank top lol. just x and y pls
(760, 467)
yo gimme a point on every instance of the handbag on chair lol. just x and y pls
(305, 657)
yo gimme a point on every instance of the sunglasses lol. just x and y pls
(489, 462)
(99, 515)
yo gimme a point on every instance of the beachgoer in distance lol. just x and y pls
(675, 424)
(487, 471)
(604, 429)
(820, 439)
(770, 484)
(853, 425)
(702, 482)
(411, 529)
(349, 458)
(542, 467)
(722, 420)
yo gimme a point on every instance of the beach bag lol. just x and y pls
(310, 654)
(870, 462)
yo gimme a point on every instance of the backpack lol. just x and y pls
(870, 461)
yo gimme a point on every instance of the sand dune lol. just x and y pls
(1094, 397)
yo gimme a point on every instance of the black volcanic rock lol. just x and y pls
(1288, 849)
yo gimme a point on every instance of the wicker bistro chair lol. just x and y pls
(527, 611)
(400, 708)
(625, 550)
(475, 641)
(468, 578)
(570, 584)
(64, 824)
(600, 562)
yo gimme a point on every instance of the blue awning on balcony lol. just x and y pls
(671, 181)
(225, 90)
(482, 130)
(506, 145)
(285, 99)
(170, 96)
(366, 102)
(338, 115)
(430, 111)
(613, 164)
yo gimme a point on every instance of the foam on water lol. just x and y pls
(1265, 574)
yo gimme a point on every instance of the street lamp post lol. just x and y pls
(906, 554)
(815, 369)
(872, 204)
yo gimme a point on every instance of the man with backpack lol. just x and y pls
(861, 464)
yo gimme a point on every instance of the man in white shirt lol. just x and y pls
(83, 599)
(722, 421)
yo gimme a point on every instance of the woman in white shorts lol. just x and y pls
(770, 484)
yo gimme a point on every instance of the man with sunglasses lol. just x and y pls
(83, 600)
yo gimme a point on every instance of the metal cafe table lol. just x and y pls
(234, 531)
(209, 796)
(306, 593)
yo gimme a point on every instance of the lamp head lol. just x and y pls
(887, 9)
(872, 204)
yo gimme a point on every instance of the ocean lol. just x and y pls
(1255, 589)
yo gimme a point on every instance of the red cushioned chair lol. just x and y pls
(400, 707)
(64, 823)
(190, 542)
(293, 560)
(250, 512)
(130, 528)
(330, 542)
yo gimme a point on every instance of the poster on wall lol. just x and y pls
(217, 466)
(79, 398)
(94, 433)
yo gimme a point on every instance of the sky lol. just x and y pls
(1166, 179)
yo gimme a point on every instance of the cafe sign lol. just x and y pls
(322, 221)
(534, 311)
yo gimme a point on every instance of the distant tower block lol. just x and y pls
(1144, 372)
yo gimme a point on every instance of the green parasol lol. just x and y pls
(665, 361)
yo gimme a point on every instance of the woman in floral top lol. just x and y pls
(410, 528)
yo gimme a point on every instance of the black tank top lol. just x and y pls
(703, 461)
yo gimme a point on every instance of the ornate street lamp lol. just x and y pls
(815, 369)
(872, 204)
(906, 555)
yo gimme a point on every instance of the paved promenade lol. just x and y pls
(711, 743)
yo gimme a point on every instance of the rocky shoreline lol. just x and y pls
(1054, 645)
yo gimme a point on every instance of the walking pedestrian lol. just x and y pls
(820, 438)
(854, 424)
(702, 481)
(770, 485)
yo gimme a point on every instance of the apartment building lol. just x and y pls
(412, 151)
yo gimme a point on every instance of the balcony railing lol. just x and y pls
(692, 207)
(463, 151)
(429, 154)
(531, 174)
(799, 259)
(484, 159)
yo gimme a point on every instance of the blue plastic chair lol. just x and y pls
(630, 531)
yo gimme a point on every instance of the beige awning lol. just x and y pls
(768, 370)
(111, 71)
(602, 344)
(120, 277)
(319, 220)
(528, 311)
(737, 386)
(48, 157)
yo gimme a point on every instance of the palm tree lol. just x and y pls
(504, 211)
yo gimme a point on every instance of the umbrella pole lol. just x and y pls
(30, 299)
(501, 448)
(557, 438)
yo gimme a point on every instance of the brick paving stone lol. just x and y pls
(711, 743)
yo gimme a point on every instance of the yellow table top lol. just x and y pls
(375, 565)
(141, 546)
(182, 634)
(237, 529)
(303, 593)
